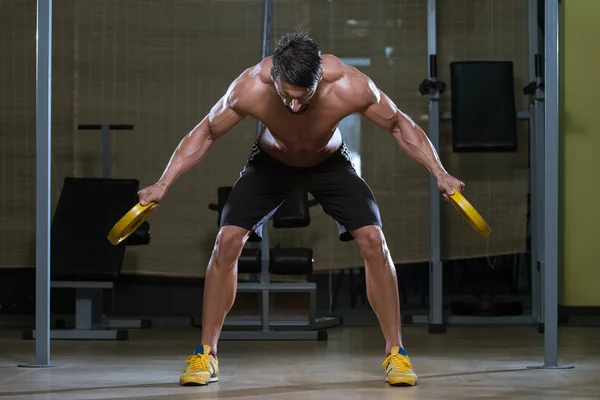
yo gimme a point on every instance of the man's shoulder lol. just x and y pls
(333, 68)
(252, 83)
(254, 77)
(347, 82)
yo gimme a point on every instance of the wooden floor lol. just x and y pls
(465, 363)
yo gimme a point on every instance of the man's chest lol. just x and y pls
(316, 124)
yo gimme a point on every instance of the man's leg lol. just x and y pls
(220, 284)
(259, 191)
(382, 291)
(382, 283)
(347, 198)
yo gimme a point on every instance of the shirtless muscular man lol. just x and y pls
(301, 96)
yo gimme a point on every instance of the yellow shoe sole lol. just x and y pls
(196, 381)
(403, 381)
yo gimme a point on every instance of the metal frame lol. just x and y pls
(549, 264)
(43, 182)
(543, 119)
(84, 288)
(536, 156)
(279, 328)
(550, 190)
(88, 294)
(436, 320)
(88, 314)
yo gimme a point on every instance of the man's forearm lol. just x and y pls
(415, 143)
(190, 151)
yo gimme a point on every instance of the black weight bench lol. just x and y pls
(84, 260)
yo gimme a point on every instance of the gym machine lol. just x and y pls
(81, 260)
(499, 75)
(266, 260)
(81, 257)
(542, 118)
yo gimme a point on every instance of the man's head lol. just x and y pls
(296, 70)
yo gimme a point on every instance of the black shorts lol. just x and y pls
(265, 183)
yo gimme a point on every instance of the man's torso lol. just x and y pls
(305, 139)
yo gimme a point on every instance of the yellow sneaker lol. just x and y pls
(398, 369)
(200, 368)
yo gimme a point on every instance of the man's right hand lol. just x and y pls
(153, 193)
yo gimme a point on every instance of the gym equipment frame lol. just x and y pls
(543, 122)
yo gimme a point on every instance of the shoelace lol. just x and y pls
(399, 362)
(198, 362)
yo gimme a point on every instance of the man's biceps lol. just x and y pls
(381, 110)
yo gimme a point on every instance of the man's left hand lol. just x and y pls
(447, 183)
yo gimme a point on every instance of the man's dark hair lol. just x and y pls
(297, 60)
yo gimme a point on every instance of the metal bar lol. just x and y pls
(550, 190)
(43, 157)
(265, 277)
(312, 311)
(274, 335)
(540, 133)
(86, 334)
(431, 34)
(268, 14)
(540, 123)
(533, 36)
(276, 321)
(301, 287)
(476, 320)
(534, 212)
(521, 115)
(537, 124)
(551, 187)
(83, 309)
(435, 278)
(534, 121)
(266, 39)
(265, 260)
(82, 285)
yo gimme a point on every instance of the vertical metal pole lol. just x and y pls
(533, 36)
(435, 276)
(268, 13)
(540, 133)
(265, 279)
(550, 191)
(534, 210)
(43, 157)
(42, 191)
(266, 37)
(551, 187)
(265, 247)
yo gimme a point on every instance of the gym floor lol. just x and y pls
(466, 362)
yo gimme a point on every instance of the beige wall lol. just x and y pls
(580, 139)
(160, 66)
(17, 122)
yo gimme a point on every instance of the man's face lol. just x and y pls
(295, 98)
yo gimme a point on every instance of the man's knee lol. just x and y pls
(228, 246)
(371, 242)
